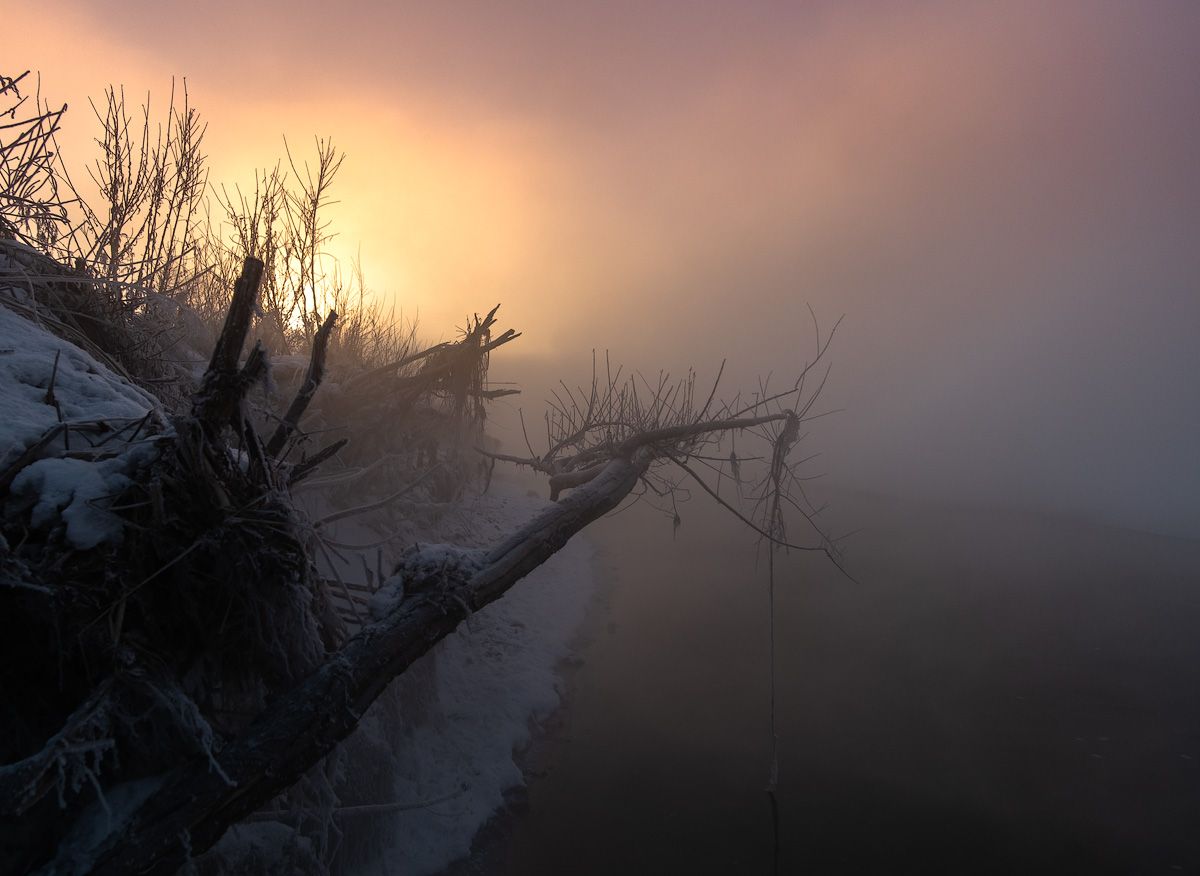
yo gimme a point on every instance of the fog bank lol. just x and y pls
(1003, 200)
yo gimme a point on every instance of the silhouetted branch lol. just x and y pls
(217, 399)
(194, 804)
(316, 372)
(306, 467)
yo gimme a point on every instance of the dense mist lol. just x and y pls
(989, 212)
(1001, 200)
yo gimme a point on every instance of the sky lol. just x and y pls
(1002, 199)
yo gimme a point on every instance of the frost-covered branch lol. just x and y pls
(615, 417)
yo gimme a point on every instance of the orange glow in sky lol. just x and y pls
(474, 176)
(1001, 198)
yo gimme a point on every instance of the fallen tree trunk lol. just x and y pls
(195, 804)
(183, 803)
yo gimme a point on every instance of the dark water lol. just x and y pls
(1001, 693)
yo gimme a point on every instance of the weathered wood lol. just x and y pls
(419, 383)
(374, 374)
(306, 467)
(569, 479)
(219, 396)
(195, 805)
(229, 345)
(378, 505)
(493, 394)
(24, 783)
(316, 373)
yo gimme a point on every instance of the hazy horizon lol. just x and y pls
(1003, 201)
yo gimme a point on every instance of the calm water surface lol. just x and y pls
(1000, 693)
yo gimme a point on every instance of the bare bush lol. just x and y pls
(690, 442)
(31, 207)
(140, 227)
(203, 647)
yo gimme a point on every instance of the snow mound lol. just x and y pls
(48, 387)
(84, 389)
(74, 490)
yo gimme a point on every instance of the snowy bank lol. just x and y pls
(432, 759)
(434, 756)
(48, 389)
(491, 683)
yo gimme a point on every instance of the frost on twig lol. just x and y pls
(691, 440)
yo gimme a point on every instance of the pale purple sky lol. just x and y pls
(1003, 199)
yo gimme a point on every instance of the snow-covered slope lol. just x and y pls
(84, 389)
(439, 749)
(483, 691)
(48, 388)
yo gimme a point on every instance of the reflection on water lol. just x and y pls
(1000, 693)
